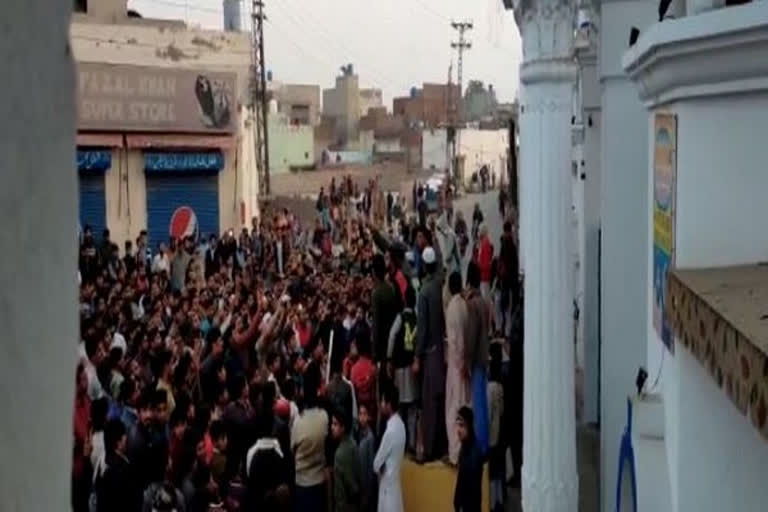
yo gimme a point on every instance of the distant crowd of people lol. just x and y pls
(294, 367)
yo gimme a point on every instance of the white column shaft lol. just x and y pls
(548, 75)
(550, 481)
(38, 273)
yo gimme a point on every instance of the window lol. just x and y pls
(81, 5)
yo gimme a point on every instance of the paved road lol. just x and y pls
(489, 204)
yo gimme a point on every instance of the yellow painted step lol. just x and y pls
(430, 487)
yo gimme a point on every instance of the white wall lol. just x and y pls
(370, 98)
(434, 149)
(623, 210)
(703, 429)
(387, 145)
(718, 460)
(722, 181)
(484, 147)
(39, 264)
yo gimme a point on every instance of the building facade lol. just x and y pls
(370, 98)
(479, 102)
(701, 437)
(434, 149)
(431, 106)
(291, 145)
(164, 139)
(342, 104)
(483, 148)
(299, 103)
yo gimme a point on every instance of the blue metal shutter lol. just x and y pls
(93, 205)
(165, 194)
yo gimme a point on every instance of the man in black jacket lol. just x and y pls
(118, 490)
(509, 269)
(430, 358)
(384, 307)
(468, 494)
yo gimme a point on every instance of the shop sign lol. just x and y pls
(150, 99)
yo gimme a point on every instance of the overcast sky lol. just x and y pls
(393, 44)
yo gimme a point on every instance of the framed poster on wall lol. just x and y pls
(664, 195)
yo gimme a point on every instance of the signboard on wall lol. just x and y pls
(151, 99)
(664, 192)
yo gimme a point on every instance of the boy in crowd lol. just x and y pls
(367, 450)
(347, 488)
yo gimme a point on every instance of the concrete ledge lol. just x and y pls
(718, 315)
(648, 416)
(715, 53)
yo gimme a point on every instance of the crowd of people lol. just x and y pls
(293, 367)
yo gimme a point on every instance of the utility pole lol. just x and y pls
(450, 107)
(460, 46)
(259, 96)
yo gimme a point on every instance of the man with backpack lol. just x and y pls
(400, 353)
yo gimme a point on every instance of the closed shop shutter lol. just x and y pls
(91, 165)
(93, 206)
(194, 199)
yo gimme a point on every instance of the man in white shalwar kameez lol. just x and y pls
(389, 458)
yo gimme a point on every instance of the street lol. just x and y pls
(489, 204)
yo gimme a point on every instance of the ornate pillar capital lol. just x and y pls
(546, 27)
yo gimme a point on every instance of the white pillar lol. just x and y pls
(624, 222)
(590, 168)
(38, 273)
(548, 72)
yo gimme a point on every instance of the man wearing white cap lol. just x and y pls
(430, 353)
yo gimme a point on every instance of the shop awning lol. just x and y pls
(104, 140)
(180, 141)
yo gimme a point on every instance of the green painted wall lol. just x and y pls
(290, 146)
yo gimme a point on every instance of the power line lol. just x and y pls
(432, 11)
(379, 76)
(259, 95)
(303, 50)
(442, 17)
(297, 45)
